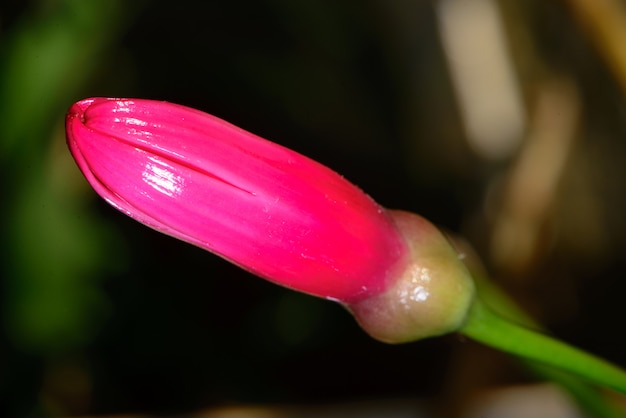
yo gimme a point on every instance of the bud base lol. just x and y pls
(431, 297)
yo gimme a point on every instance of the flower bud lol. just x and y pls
(272, 211)
(268, 209)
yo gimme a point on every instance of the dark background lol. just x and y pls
(101, 315)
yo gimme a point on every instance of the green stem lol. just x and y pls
(489, 328)
(592, 401)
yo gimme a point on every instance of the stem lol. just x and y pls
(489, 328)
(592, 401)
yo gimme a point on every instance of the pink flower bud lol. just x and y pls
(270, 210)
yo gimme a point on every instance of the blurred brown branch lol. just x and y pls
(605, 23)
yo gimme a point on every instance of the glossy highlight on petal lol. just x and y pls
(266, 208)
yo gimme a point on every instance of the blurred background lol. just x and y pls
(502, 121)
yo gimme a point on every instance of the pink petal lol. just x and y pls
(259, 205)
